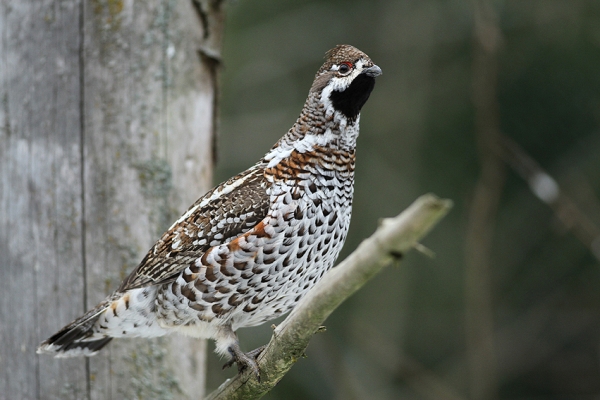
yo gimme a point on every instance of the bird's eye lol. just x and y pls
(345, 67)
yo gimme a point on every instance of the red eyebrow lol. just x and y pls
(348, 63)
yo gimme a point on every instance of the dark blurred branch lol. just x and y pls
(394, 237)
(478, 291)
(546, 188)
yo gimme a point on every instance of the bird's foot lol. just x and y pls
(245, 360)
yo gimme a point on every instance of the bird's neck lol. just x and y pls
(319, 127)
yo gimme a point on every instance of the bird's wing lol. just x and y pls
(221, 215)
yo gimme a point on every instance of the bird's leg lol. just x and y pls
(243, 360)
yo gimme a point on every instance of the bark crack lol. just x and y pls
(82, 174)
(203, 15)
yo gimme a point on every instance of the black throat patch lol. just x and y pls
(350, 101)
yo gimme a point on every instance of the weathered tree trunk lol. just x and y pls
(106, 135)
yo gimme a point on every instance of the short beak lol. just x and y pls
(372, 71)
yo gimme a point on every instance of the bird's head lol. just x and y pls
(345, 80)
(330, 117)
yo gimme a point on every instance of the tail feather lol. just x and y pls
(78, 338)
(129, 314)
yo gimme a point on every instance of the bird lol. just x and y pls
(252, 247)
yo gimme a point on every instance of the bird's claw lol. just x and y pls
(245, 360)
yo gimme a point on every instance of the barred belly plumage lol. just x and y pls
(264, 273)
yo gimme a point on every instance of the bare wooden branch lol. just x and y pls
(393, 238)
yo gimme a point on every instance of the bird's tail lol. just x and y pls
(79, 338)
(129, 314)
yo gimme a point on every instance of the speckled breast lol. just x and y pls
(266, 271)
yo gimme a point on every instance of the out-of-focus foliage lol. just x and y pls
(404, 334)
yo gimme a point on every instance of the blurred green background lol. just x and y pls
(509, 308)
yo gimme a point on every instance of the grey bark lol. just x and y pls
(107, 119)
